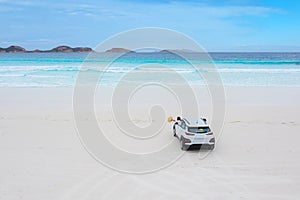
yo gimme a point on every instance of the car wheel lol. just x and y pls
(174, 132)
(182, 145)
(211, 147)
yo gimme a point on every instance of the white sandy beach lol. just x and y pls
(256, 156)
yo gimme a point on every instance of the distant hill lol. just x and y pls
(118, 50)
(67, 49)
(178, 51)
(70, 49)
(12, 49)
(64, 49)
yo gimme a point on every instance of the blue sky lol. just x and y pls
(227, 25)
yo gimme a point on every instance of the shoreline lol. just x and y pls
(192, 86)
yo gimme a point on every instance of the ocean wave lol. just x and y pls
(258, 62)
(6, 70)
(37, 68)
(86, 69)
(46, 76)
(12, 75)
(260, 70)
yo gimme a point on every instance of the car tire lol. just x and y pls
(174, 132)
(174, 129)
(211, 147)
(182, 145)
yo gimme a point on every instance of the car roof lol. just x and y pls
(195, 122)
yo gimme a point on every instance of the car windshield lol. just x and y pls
(199, 129)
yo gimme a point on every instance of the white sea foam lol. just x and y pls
(47, 76)
(65, 74)
(12, 75)
(37, 68)
(261, 70)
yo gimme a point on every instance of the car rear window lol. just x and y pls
(199, 129)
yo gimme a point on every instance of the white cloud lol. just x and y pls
(208, 23)
(127, 8)
(233, 11)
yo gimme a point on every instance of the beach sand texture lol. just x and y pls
(256, 156)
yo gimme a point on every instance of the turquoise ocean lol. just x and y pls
(235, 69)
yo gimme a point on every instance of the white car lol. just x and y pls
(193, 133)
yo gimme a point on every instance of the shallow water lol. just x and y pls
(235, 69)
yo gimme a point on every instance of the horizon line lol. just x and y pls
(154, 51)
